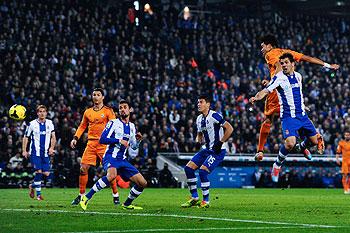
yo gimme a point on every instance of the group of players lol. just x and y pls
(109, 137)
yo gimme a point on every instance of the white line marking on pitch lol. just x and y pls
(174, 216)
(192, 229)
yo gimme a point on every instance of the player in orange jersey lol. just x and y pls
(95, 118)
(344, 149)
(272, 108)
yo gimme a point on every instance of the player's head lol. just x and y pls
(347, 135)
(124, 109)
(41, 111)
(287, 62)
(268, 42)
(98, 96)
(203, 103)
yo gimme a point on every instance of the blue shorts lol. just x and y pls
(40, 163)
(298, 126)
(124, 168)
(208, 158)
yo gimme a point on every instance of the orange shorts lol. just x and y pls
(345, 167)
(272, 104)
(93, 151)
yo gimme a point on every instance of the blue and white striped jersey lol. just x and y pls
(114, 131)
(40, 137)
(211, 128)
(290, 95)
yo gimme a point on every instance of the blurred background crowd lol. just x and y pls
(55, 53)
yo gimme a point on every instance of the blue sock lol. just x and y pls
(99, 185)
(281, 155)
(37, 183)
(134, 193)
(205, 184)
(191, 182)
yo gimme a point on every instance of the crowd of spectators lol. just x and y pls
(54, 53)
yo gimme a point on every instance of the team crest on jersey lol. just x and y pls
(287, 131)
(102, 115)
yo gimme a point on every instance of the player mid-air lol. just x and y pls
(344, 150)
(119, 134)
(95, 118)
(213, 130)
(42, 145)
(288, 84)
(271, 52)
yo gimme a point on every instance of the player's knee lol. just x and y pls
(46, 173)
(203, 172)
(111, 176)
(188, 170)
(143, 183)
(84, 169)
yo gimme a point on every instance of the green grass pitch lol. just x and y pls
(232, 210)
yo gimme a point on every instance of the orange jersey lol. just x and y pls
(344, 149)
(95, 121)
(272, 57)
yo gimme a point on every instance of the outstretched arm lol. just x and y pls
(260, 95)
(317, 61)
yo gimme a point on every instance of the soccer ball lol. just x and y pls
(17, 112)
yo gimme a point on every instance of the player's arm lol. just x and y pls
(338, 153)
(199, 137)
(136, 139)
(228, 129)
(25, 140)
(317, 61)
(274, 83)
(83, 124)
(106, 137)
(52, 143)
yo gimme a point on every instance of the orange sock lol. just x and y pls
(83, 179)
(114, 186)
(348, 183)
(345, 183)
(264, 132)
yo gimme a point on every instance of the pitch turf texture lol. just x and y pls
(232, 210)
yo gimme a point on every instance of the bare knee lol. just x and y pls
(289, 145)
(84, 168)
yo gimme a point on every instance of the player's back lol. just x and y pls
(97, 120)
(345, 149)
(272, 57)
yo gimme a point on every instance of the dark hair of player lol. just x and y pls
(287, 55)
(269, 39)
(124, 102)
(99, 89)
(205, 97)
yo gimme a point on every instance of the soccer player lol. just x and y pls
(41, 132)
(214, 131)
(288, 84)
(344, 150)
(95, 118)
(272, 53)
(119, 134)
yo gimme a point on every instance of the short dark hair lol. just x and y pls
(287, 55)
(269, 39)
(123, 101)
(205, 97)
(99, 89)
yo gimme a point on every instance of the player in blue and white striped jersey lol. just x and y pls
(119, 135)
(42, 144)
(295, 121)
(214, 131)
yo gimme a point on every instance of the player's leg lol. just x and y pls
(88, 159)
(345, 177)
(311, 137)
(208, 166)
(136, 190)
(98, 186)
(190, 169)
(100, 149)
(36, 185)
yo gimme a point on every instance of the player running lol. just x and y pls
(344, 150)
(42, 144)
(95, 118)
(271, 54)
(288, 84)
(214, 131)
(119, 134)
